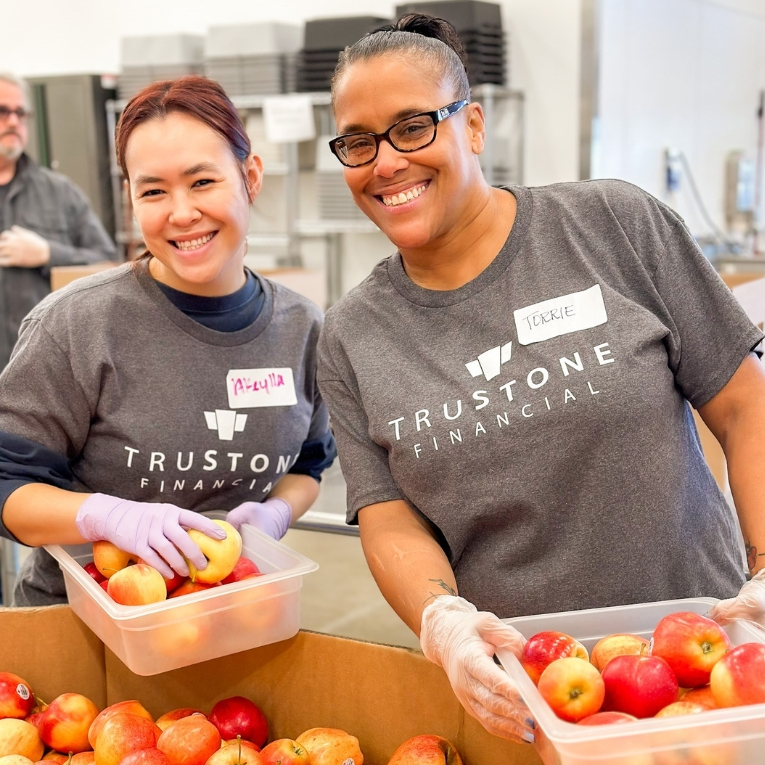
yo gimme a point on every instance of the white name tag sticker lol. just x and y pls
(253, 388)
(560, 316)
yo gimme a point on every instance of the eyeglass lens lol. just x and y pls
(407, 135)
(21, 113)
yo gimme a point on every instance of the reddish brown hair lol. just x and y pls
(198, 97)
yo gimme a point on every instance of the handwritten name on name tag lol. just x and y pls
(253, 388)
(560, 316)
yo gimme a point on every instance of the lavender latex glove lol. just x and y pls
(272, 517)
(462, 640)
(749, 604)
(155, 532)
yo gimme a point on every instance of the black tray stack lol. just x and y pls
(479, 26)
(322, 42)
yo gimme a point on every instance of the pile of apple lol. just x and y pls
(74, 732)
(687, 667)
(131, 582)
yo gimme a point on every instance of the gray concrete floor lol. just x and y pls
(342, 598)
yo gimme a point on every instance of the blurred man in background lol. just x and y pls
(45, 220)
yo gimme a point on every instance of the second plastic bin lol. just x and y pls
(733, 736)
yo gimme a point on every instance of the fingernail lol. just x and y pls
(531, 723)
(528, 737)
(221, 533)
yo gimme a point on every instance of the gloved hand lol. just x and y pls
(155, 532)
(459, 638)
(749, 604)
(272, 517)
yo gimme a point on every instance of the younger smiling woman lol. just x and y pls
(183, 382)
(510, 389)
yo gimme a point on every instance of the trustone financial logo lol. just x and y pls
(226, 422)
(488, 363)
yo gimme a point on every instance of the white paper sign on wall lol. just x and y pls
(288, 118)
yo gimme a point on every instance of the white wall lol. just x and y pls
(55, 37)
(684, 74)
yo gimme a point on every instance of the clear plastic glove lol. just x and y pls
(272, 517)
(749, 604)
(462, 640)
(155, 532)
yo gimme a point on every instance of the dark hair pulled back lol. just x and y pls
(423, 37)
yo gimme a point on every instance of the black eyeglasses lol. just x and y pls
(410, 134)
(22, 113)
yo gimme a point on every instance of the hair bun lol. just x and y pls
(430, 26)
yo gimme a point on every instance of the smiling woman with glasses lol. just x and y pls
(510, 389)
(409, 134)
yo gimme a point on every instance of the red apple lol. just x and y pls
(167, 719)
(691, 644)
(285, 751)
(221, 554)
(93, 572)
(544, 648)
(16, 697)
(148, 756)
(104, 586)
(19, 737)
(65, 723)
(191, 740)
(681, 708)
(244, 568)
(607, 718)
(238, 716)
(572, 687)
(137, 585)
(739, 677)
(702, 695)
(237, 752)
(426, 750)
(121, 734)
(638, 685)
(109, 559)
(618, 644)
(132, 707)
(175, 581)
(188, 587)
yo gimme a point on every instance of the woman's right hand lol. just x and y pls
(155, 532)
(462, 640)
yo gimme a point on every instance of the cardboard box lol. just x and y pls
(60, 276)
(380, 694)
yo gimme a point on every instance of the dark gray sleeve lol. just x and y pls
(40, 397)
(90, 242)
(710, 334)
(364, 462)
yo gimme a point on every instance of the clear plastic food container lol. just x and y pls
(192, 628)
(734, 736)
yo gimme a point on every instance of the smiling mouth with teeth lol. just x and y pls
(403, 198)
(193, 244)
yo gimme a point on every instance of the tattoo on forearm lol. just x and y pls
(751, 556)
(444, 586)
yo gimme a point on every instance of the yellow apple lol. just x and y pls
(618, 644)
(20, 737)
(221, 554)
(109, 559)
(329, 746)
(137, 586)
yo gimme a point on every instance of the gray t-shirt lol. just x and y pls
(538, 415)
(147, 404)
